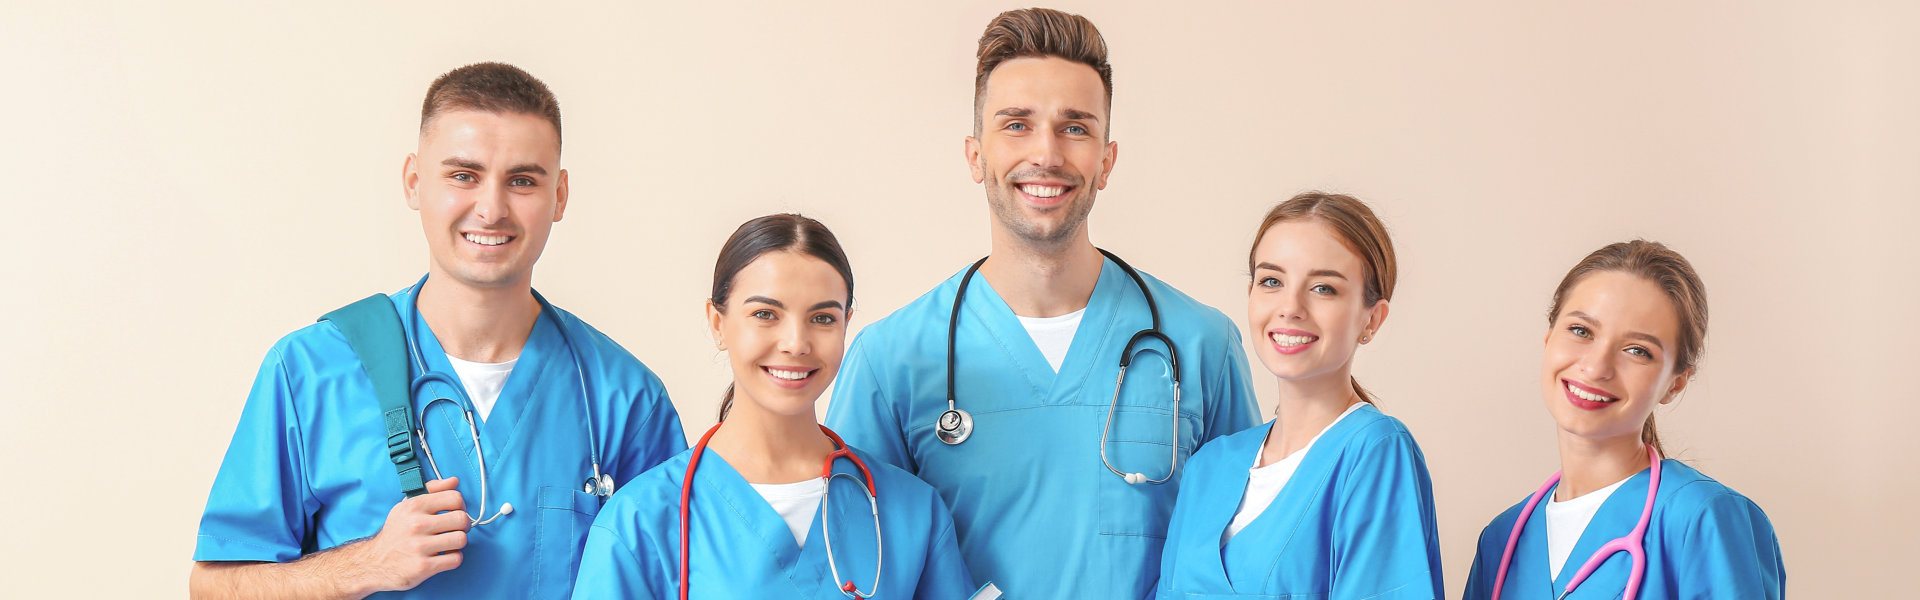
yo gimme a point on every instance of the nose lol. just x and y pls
(1289, 307)
(1045, 151)
(490, 205)
(1596, 363)
(793, 339)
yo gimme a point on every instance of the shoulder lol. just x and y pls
(1496, 532)
(599, 349)
(1231, 448)
(657, 490)
(1378, 431)
(1689, 496)
(1192, 315)
(925, 318)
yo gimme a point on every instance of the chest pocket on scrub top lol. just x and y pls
(1141, 439)
(564, 516)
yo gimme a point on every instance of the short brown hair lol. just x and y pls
(1656, 263)
(1357, 228)
(490, 87)
(1039, 32)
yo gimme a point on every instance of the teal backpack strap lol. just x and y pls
(373, 330)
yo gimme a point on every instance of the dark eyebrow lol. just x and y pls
(1076, 114)
(463, 163)
(1014, 111)
(1269, 267)
(527, 168)
(827, 304)
(1325, 273)
(763, 300)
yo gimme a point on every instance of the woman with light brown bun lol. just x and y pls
(1330, 499)
(1627, 327)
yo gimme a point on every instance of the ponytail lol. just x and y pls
(1365, 396)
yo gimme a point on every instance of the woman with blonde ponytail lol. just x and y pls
(1331, 499)
(1626, 329)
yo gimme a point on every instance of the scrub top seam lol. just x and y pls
(300, 429)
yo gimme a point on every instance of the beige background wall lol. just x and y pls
(184, 184)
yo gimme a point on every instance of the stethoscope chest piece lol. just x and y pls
(601, 486)
(954, 426)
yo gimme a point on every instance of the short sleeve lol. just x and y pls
(260, 508)
(1386, 545)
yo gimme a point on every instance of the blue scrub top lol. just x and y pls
(1038, 514)
(1355, 520)
(1704, 541)
(741, 548)
(308, 467)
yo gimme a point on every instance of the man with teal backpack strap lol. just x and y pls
(332, 487)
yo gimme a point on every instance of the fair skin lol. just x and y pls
(1042, 154)
(1308, 313)
(1608, 362)
(488, 187)
(784, 329)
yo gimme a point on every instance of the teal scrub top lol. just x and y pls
(1704, 541)
(741, 548)
(1037, 512)
(308, 469)
(1356, 520)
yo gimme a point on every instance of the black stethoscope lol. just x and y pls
(599, 484)
(955, 425)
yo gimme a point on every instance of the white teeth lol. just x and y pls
(789, 375)
(1288, 341)
(1043, 191)
(1588, 396)
(487, 240)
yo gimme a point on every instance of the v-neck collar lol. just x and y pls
(1296, 500)
(500, 430)
(985, 307)
(1616, 517)
(805, 565)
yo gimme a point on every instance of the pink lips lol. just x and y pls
(1291, 332)
(1583, 403)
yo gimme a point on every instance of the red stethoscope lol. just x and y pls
(826, 533)
(1634, 543)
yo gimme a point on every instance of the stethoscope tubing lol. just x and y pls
(600, 484)
(1634, 543)
(827, 473)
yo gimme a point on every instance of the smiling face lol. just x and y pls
(1042, 152)
(784, 328)
(1307, 305)
(1610, 357)
(489, 188)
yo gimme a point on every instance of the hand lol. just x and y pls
(422, 537)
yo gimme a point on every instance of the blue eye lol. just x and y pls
(1580, 330)
(1268, 282)
(521, 182)
(1017, 126)
(1640, 352)
(1323, 289)
(1076, 130)
(466, 177)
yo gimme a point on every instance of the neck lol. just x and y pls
(486, 325)
(771, 448)
(1588, 464)
(1043, 282)
(1307, 407)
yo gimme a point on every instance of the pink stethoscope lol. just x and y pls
(1634, 543)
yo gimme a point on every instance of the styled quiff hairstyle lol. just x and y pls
(490, 87)
(1666, 269)
(1355, 225)
(1039, 32)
